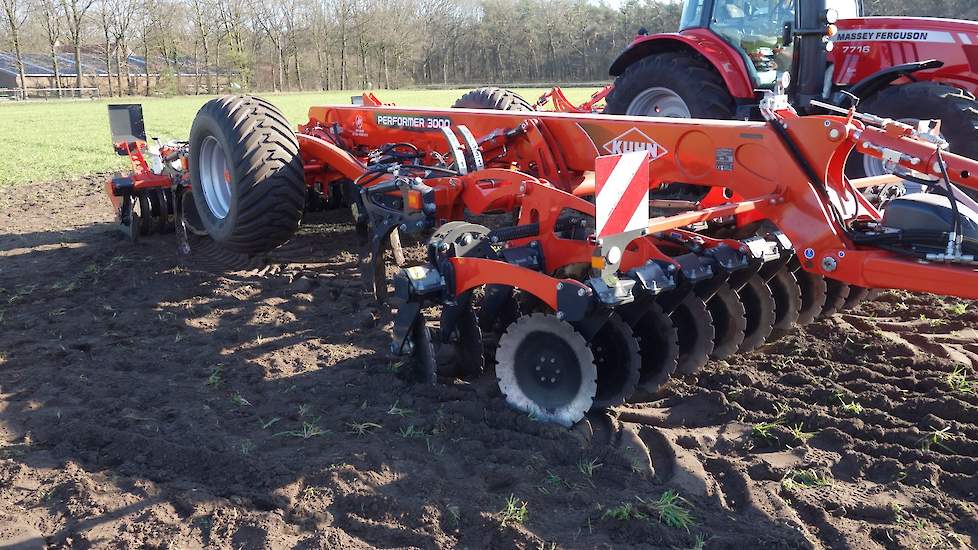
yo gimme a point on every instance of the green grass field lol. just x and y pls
(49, 141)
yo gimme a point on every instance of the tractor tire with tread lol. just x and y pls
(690, 77)
(497, 99)
(264, 174)
(956, 108)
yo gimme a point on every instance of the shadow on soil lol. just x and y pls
(147, 400)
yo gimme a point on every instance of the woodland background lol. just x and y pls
(352, 44)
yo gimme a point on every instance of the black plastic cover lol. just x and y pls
(928, 212)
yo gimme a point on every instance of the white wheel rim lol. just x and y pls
(659, 102)
(215, 178)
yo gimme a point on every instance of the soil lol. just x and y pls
(150, 401)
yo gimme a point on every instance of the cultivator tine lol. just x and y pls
(694, 326)
(616, 355)
(545, 369)
(836, 293)
(658, 344)
(759, 308)
(729, 322)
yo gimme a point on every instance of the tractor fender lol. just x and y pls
(875, 82)
(700, 42)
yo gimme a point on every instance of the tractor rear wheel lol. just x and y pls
(498, 99)
(957, 110)
(246, 173)
(672, 84)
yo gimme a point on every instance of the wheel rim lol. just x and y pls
(547, 370)
(659, 102)
(215, 178)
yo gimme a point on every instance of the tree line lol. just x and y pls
(218, 45)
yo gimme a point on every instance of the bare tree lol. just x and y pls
(16, 12)
(75, 11)
(53, 19)
(201, 14)
(106, 11)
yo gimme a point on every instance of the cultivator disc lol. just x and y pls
(836, 293)
(658, 345)
(729, 322)
(694, 326)
(759, 307)
(856, 295)
(545, 369)
(146, 212)
(616, 355)
(458, 353)
(813, 295)
(787, 300)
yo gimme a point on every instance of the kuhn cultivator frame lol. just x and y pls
(592, 300)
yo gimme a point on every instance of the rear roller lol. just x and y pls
(694, 325)
(813, 296)
(616, 355)
(787, 301)
(545, 369)
(836, 293)
(658, 345)
(759, 307)
(729, 322)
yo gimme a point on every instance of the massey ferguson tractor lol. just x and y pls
(727, 52)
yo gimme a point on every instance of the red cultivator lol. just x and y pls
(583, 298)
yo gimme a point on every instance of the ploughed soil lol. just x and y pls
(149, 401)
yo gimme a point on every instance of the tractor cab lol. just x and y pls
(766, 33)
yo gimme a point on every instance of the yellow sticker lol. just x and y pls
(416, 272)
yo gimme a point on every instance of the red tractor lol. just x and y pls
(728, 51)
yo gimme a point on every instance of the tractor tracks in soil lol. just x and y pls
(232, 402)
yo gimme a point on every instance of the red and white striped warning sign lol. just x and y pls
(621, 192)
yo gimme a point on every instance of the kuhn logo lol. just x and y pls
(634, 140)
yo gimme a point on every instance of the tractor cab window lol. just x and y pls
(692, 14)
(754, 27)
